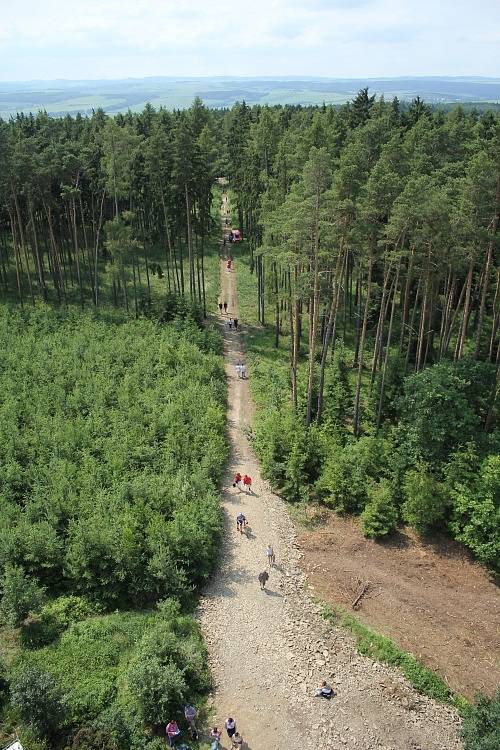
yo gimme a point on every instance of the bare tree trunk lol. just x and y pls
(361, 350)
(459, 349)
(487, 270)
(332, 315)
(387, 349)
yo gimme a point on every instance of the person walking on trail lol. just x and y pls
(241, 522)
(190, 714)
(235, 323)
(236, 741)
(173, 732)
(230, 725)
(225, 307)
(270, 555)
(220, 307)
(230, 323)
(263, 579)
(247, 483)
(237, 367)
(244, 371)
(237, 480)
(324, 690)
(215, 736)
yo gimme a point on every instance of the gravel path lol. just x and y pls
(269, 649)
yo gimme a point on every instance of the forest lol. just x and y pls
(369, 282)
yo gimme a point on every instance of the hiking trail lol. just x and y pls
(268, 650)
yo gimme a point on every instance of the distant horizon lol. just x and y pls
(270, 77)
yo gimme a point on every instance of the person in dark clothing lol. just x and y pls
(220, 307)
(225, 307)
(235, 323)
(263, 579)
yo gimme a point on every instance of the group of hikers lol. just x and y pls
(173, 732)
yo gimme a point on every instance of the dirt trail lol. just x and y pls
(268, 649)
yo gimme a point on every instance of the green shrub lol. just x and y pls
(475, 498)
(55, 617)
(481, 725)
(90, 738)
(34, 693)
(20, 596)
(158, 688)
(425, 502)
(347, 471)
(380, 516)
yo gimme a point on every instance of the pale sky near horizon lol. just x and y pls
(82, 39)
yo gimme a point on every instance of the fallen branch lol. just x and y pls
(364, 591)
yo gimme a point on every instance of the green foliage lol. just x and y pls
(119, 455)
(380, 516)
(20, 595)
(347, 470)
(338, 393)
(425, 499)
(444, 407)
(41, 629)
(37, 698)
(481, 725)
(474, 490)
(89, 738)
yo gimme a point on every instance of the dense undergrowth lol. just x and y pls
(111, 449)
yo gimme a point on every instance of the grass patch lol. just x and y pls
(380, 648)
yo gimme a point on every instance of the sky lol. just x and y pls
(87, 39)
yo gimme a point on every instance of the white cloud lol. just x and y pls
(120, 38)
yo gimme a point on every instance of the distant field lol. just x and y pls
(61, 97)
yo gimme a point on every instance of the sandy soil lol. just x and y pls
(431, 598)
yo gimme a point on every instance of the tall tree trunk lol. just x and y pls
(332, 316)
(387, 349)
(361, 351)
(487, 270)
(459, 349)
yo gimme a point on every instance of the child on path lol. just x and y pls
(247, 482)
(244, 371)
(237, 741)
(325, 690)
(270, 555)
(230, 323)
(237, 480)
(241, 522)
(237, 367)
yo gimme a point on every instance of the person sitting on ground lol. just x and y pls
(241, 522)
(263, 579)
(324, 690)
(270, 555)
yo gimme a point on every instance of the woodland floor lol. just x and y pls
(430, 597)
(269, 649)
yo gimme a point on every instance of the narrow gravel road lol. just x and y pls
(269, 649)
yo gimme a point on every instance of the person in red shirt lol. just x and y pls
(247, 481)
(237, 480)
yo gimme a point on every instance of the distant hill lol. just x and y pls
(61, 96)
